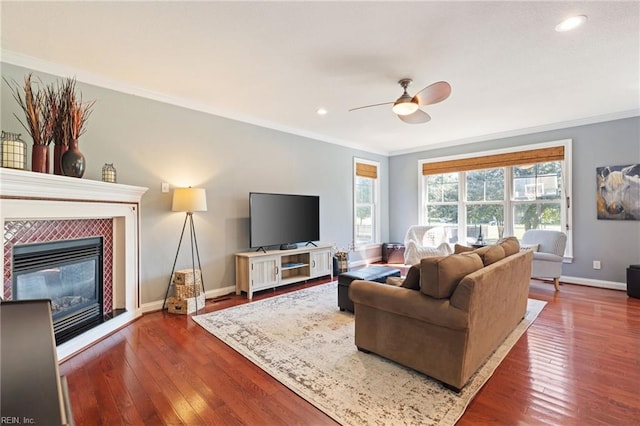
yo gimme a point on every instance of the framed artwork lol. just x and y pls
(618, 192)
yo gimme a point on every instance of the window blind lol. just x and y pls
(519, 158)
(366, 170)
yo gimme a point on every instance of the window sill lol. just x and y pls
(367, 246)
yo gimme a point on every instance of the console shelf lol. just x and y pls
(262, 270)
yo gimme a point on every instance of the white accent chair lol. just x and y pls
(547, 259)
(424, 241)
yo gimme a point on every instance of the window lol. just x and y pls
(366, 189)
(441, 205)
(502, 193)
(537, 197)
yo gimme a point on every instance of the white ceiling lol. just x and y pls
(275, 63)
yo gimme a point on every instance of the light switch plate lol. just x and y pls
(165, 187)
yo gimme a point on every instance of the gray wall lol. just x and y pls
(615, 243)
(151, 142)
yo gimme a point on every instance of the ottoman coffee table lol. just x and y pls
(370, 273)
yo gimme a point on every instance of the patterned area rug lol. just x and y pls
(305, 342)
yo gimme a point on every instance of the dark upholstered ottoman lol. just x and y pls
(370, 273)
(393, 253)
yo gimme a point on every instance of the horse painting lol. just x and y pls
(618, 192)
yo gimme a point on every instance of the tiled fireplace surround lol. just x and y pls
(56, 208)
(17, 232)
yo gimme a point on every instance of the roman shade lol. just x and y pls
(367, 170)
(519, 158)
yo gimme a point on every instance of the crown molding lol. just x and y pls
(524, 131)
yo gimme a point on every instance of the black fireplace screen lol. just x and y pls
(69, 273)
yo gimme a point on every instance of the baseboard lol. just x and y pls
(365, 262)
(613, 285)
(210, 294)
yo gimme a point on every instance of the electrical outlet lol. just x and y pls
(596, 264)
(165, 187)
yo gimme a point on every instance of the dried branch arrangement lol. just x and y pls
(40, 108)
(73, 112)
(54, 113)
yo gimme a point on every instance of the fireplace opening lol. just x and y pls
(67, 272)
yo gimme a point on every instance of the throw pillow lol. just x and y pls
(412, 280)
(533, 247)
(490, 254)
(440, 275)
(510, 245)
(458, 248)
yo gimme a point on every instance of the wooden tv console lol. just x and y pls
(260, 270)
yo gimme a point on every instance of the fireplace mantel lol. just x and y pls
(27, 195)
(23, 184)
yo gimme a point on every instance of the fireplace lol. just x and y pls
(40, 207)
(70, 274)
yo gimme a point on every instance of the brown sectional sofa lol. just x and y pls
(448, 323)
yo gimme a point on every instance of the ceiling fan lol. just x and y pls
(407, 106)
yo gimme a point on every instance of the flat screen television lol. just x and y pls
(283, 219)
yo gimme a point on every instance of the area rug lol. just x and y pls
(305, 342)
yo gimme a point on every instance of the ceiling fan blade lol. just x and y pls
(417, 117)
(434, 93)
(369, 106)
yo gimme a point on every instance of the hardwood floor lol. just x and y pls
(578, 364)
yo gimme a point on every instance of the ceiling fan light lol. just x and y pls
(405, 107)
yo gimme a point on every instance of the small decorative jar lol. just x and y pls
(108, 173)
(13, 151)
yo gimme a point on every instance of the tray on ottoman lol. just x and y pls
(370, 273)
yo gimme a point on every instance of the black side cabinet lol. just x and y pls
(633, 281)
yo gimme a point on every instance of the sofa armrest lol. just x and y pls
(501, 286)
(407, 303)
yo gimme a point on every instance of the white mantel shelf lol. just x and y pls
(26, 195)
(25, 184)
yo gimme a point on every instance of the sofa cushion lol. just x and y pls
(440, 275)
(412, 280)
(459, 248)
(490, 254)
(510, 245)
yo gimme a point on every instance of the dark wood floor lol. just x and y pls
(578, 364)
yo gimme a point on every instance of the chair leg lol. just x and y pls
(556, 283)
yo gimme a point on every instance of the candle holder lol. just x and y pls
(108, 173)
(13, 151)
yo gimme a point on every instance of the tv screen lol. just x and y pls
(280, 219)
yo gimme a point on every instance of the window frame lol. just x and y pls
(376, 208)
(565, 201)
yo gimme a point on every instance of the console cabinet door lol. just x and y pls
(321, 263)
(264, 272)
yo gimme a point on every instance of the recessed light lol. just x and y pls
(571, 23)
(321, 111)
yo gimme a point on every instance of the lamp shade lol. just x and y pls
(189, 200)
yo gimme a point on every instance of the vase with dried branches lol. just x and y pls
(71, 125)
(40, 107)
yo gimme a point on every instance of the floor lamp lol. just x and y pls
(188, 200)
